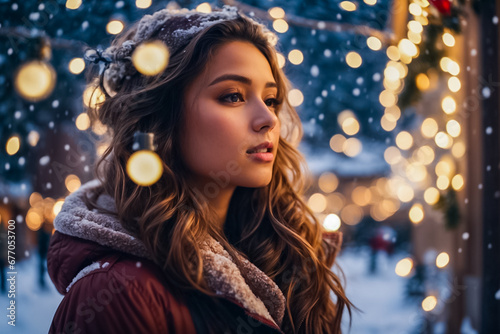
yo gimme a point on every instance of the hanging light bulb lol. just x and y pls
(144, 166)
(35, 80)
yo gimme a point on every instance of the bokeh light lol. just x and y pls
(144, 167)
(151, 58)
(404, 267)
(35, 80)
(332, 222)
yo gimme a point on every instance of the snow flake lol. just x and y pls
(376, 77)
(34, 16)
(473, 52)
(489, 130)
(327, 53)
(85, 25)
(66, 147)
(486, 92)
(321, 116)
(17, 114)
(55, 103)
(495, 20)
(44, 160)
(356, 92)
(465, 235)
(51, 125)
(359, 80)
(324, 93)
(332, 87)
(21, 161)
(7, 166)
(10, 51)
(14, 6)
(318, 100)
(138, 264)
(48, 185)
(5, 200)
(119, 4)
(314, 71)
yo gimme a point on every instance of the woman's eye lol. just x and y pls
(232, 98)
(273, 103)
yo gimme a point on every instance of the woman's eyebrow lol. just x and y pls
(240, 78)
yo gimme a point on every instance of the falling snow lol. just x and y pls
(55, 103)
(327, 53)
(486, 92)
(34, 16)
(473, 52)
(66, 147)
(489, 130)
(356, 92)
(7, 166)
(17, 114)
(495, 20)
(376, 77)
(359, 80)
(51, 125)
(465, 236)
(49, 185)
(85, 25)
(314, 71)
(480, 186)
(5, 200)
(321, 116)
(332, 87)
(14, 6)
(324, 93)
(21, 161)
(44, 160)
(119, 4)
(318, 100)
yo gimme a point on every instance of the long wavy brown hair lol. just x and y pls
(271, 226)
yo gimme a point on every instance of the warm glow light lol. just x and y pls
(280, 25)
(204, 8)
(352, 147)
(388, 123)
(429, 303)
(404, 140)
(350, 126)
(277, 13)
(317, 202)
(348, 6)
(374, 43)
(449, 65)
(405, 193)
(445, 167)
(443, 140)
(443, 182)
(13, 145)
(34, 220)
(453, 128)
(449, 105)
(454, 84)
(35, 198)
(387, 98)
(328, 182)
(404, 267)
(393, 53)
(416, 172)
(335, 202)
(93, 96)
(414, 37)
(415, 27)
(98, 128)
(442, 260)
(429, 128)
(295, 57)
(423, 82)
(331, 222)
(353, 59)
(114, 27)
(337, 143)
(144, 167)
(281, 59)
(33, 138)
(415, 9)
(351, 214)
(458, 150)
(73, 4)
(82, 122)
(76, 65)
(151, 58)
(431, 195)
(457, 182)
(391, 73)
(407, 47)
(416, 213)
(361, 195)
(72, 183)
(448, 39)
(57, 207)
(392, 155)
(35, 80)
(143, 3)
(370, 2)
(295, 97)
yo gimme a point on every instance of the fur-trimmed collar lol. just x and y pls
(247, 285)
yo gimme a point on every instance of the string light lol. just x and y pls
(35, 80)
(442, 260)
(449, 105)
(457, 182)
(429, 303)
(280, 26)
(277, 13)
(76, 65)
(453, 128)
(429, 127)
(353, 59)
(13, 144)
(443, 140)
(295, 57)
(348, 6)
(151, 58)
(332, 222)
(73, 4)
(114, 27)
(143, 4)
(404, 267)
(454, 84)
(204, 8)
(317, 202)
(295, 97)
(415, 9)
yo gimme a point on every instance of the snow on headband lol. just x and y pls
(175, 27)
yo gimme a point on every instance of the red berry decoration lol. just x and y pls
(443, 6)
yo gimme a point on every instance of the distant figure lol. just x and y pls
(382, 240)
(43, 235)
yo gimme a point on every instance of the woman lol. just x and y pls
(222, 242)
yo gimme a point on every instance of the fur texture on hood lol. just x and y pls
(246, 285)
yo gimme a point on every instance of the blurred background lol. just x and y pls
(399, 105)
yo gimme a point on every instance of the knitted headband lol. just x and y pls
(172, 26)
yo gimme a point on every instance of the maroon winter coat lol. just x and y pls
(111, 285)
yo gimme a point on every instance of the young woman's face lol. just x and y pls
(229, 110)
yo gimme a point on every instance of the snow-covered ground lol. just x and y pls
(379, 296)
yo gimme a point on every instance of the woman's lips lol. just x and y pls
(261, 156)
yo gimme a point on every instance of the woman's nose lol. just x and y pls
(263, 117)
